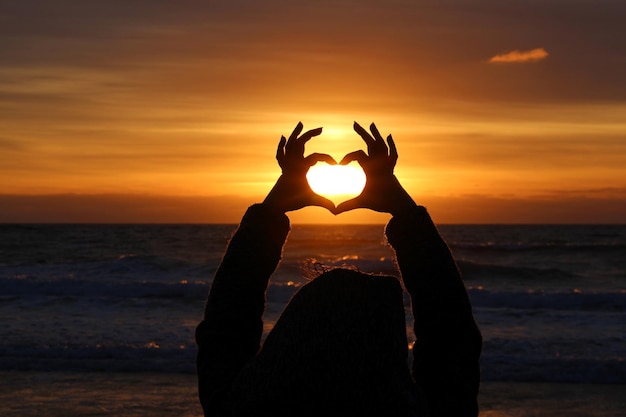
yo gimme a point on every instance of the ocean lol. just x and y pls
(100, 318)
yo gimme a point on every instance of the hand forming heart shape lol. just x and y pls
(380, 191)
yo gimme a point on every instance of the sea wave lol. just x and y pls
(500, 361)
(281, 293)
(502, 364)
(99, 357)
(471, 270)
(33, 287)
(540, 300)
(537, 247)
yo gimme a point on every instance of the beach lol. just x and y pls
(62, 394)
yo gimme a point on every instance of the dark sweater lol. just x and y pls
(448, 342)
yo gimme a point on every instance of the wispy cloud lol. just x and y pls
(517, 56)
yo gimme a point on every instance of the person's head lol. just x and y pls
(339, 348)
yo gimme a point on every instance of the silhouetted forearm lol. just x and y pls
(448, 342)
(230, 334)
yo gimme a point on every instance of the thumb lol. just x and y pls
(318, 200)
(352, 204)
(358, 156)
(319, 157)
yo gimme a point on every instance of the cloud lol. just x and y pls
(516, 56)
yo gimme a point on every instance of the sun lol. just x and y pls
(333, 180)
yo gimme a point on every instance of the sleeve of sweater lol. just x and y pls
(230, 334)
(448, 343)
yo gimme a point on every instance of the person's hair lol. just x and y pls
(339, 348)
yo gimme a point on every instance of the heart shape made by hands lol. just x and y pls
(336, 182)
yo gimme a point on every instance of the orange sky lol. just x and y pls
(171, 112)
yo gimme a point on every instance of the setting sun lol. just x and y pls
(334, 180)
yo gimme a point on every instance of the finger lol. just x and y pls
(296, 131)
(352, 204)
(308, 135)
(393, 151)
(318, 200)
(358, 156)
(314, 158)
(376, 133)
(280, 151)
(364, 134)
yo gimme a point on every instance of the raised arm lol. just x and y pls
(448, 342)
(230, 334)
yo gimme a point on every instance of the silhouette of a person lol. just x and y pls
(339, 347)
